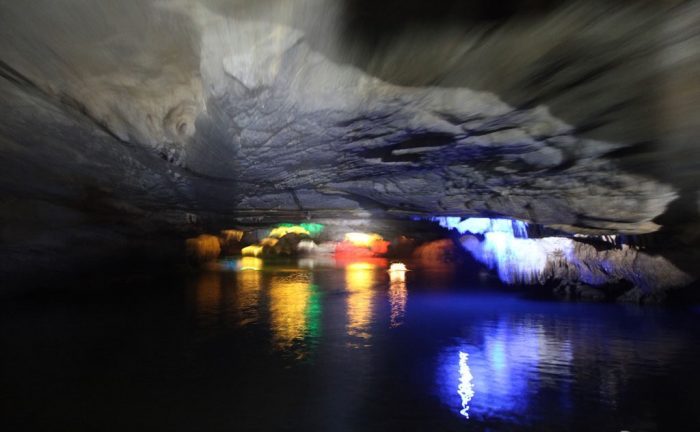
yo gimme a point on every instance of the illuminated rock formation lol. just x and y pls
(203, 248)
(576, 266)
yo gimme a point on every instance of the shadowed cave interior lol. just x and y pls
(545, 147)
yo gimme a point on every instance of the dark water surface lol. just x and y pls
(349, 349)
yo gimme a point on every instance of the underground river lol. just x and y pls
(254, 345)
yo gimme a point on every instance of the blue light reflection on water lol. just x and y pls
(497, 375)
(241, 340)
(465, 389)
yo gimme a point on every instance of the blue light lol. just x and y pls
(497, 355)
(506, 247)
(448, 222)
(229, 264)
(517, 259)
(516, 228)
(474, 225)
(498, 372)
(519, 229)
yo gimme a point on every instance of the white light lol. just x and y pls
(465, 389)
(397, 267)
(518, 259)
(515, 228)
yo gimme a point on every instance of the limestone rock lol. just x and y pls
(140, 117)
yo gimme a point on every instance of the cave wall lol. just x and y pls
(129, 122)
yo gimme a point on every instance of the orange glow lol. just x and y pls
(362, 245)
(345, 260)
(252, 250)
(289, 299)
(380, 247)
(347, 248)
(359, 278)
(437, 254)
(203, 248)
(232, 235)
(268, 241)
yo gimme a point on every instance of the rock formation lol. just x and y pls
(132, 117)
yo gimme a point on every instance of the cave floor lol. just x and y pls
(335, 349)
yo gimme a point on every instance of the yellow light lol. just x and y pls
(360, 266)
(362, 239)
(252, 250)
(283, 230)
(289, 297)
(251, 263)
(359, 278)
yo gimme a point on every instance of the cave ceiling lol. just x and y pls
(575, 116)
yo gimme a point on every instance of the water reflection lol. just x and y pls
(503, 360)
(513, 353)
(509, 361)
(294, 312)
(397, 295)
(208, 295)
(250, 263)
(359, 279)
(465, 389)
(248, 295)
(318, 262)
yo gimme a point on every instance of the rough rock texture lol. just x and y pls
(581, 270)
(126, 118)
(591, 266)
(630, 275)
